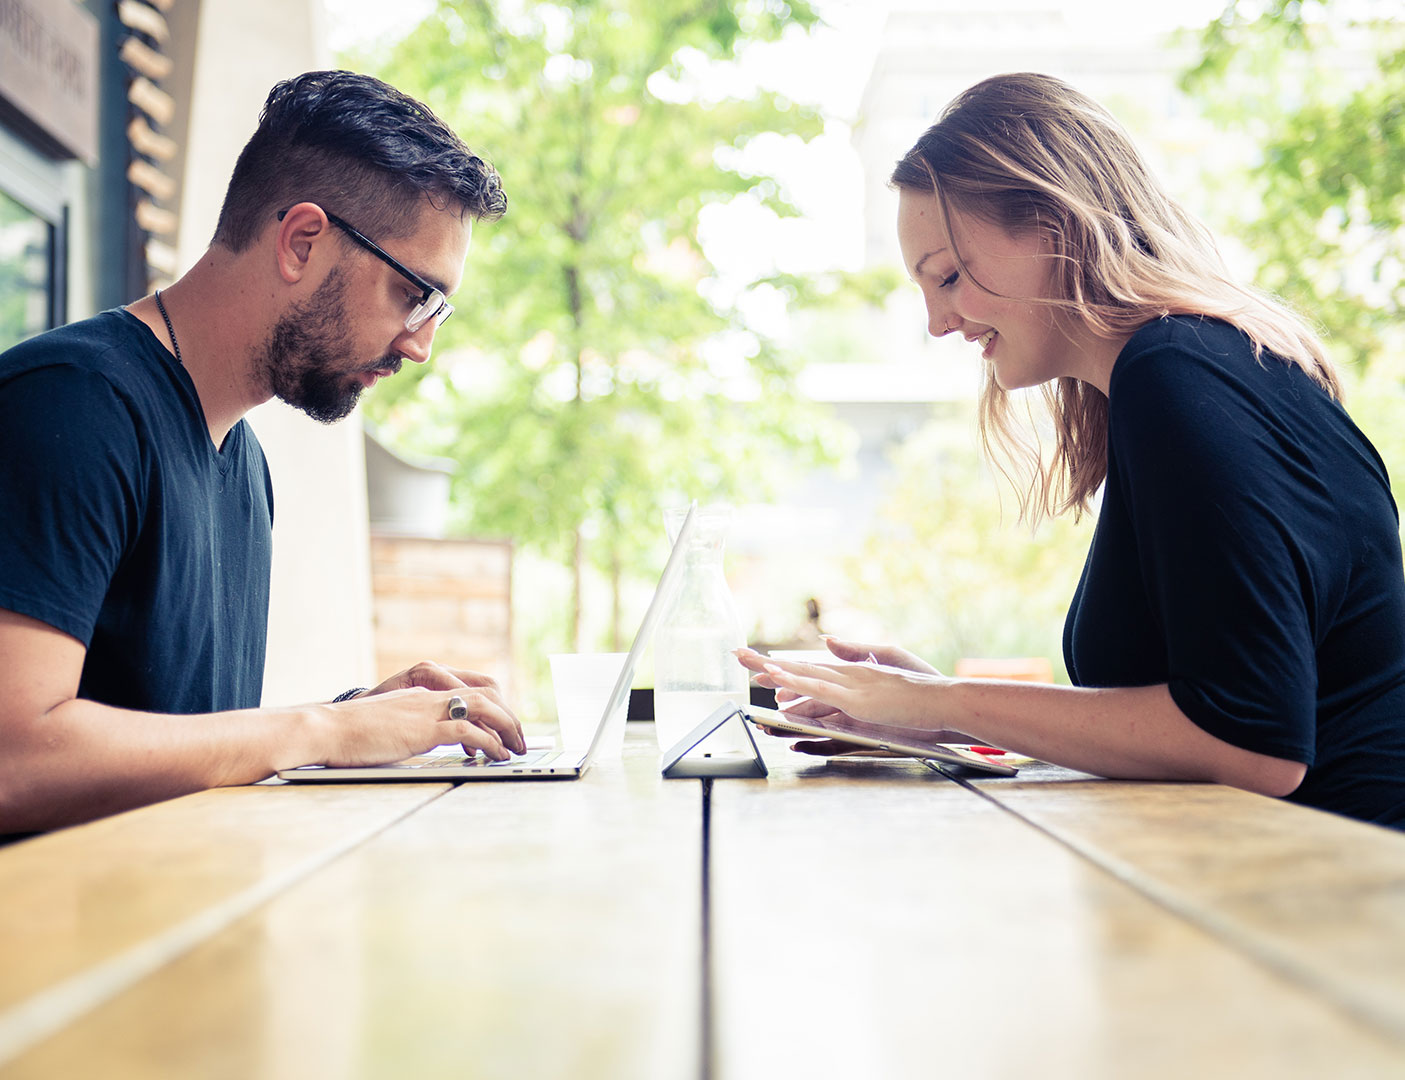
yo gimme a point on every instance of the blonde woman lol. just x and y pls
(1241, 615)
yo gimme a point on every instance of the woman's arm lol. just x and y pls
(1133, 733)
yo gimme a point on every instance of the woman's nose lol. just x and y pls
(940, 323)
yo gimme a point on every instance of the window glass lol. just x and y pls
(26, 253)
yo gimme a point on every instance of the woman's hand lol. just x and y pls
(898, 690)
(871, 692)
(849, 651)
(886, 655)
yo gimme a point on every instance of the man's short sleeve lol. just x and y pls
(71, 488)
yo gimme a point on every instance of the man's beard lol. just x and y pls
(304, 357)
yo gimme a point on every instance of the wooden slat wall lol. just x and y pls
(443, 600)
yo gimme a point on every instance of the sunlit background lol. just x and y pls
(874, 507)
(696, 293)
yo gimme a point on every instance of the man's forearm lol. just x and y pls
(82, 760)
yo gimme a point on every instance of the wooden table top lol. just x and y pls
(1318, 898)
(90, 910)
(889, 922)
(853, 919)
(510, 929)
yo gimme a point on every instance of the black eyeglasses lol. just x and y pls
(433, 304)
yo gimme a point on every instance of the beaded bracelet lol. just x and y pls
(347, 695)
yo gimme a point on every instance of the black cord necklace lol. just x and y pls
(176, 345)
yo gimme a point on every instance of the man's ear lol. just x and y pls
(301, 234)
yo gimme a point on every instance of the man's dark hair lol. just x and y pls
(358, 148)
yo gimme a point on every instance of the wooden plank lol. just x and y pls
(517, 930)
(1317, 897)
(87, 911)
(450, 599)
(874, 919)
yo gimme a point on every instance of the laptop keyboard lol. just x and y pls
(482, 761)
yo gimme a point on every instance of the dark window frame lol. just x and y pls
(37, 183)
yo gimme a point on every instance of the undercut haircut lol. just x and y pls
(358, 148)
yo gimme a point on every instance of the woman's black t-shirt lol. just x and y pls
(1247, 553)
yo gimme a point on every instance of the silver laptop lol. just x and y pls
(451, 763)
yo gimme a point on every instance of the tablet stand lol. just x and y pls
(676, 765)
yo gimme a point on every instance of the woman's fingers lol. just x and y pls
(822, 747)
(809, 708)
(750, 659)
(887, 655)
(853, 651)
(813, 681)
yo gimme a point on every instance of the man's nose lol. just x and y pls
(417, 345)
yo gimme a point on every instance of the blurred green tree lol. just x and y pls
(1317, 89)
(950, 570)
(598, 369)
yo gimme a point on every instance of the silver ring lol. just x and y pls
(458, 708)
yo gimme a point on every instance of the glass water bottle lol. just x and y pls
(694, 669)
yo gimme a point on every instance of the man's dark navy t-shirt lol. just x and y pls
(125, 528)
(1247, 553)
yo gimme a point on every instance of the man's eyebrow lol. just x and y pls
(433, 282)
(917, 270)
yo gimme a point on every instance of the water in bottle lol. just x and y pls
(694, 669)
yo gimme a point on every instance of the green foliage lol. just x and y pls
(1330, 169)
(1373, 396)
(846, 291)
(950, 569)
(588, 378)
(22, 260)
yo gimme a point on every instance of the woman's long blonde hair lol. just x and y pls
(1027, 151)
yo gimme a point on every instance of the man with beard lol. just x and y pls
(134, 549)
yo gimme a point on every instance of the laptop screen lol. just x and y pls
(619, 696)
